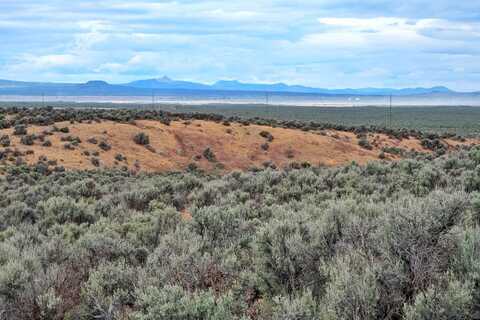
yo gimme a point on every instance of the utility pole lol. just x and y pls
(386, 115)
(390, 115)
(153, 100)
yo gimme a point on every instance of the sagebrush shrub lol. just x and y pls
(209, 155)
(386, 240)
(141, 138)
(20, 130)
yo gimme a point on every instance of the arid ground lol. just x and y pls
(234, 146)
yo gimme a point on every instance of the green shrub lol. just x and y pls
(267, 135)
(95, 161)
(394, 150)
(289, 252)
(120, 157)
(104, 146)
(110, 290)
(352, 290)
(452, 302)
(175, 256)
(5, 140)
(68, 146)
(303, 306)
(20, 130)
(27, 139)
(172, 302)
(141, 138)
(92, 140)
(62, 209)
(364, 143)
(209, 155)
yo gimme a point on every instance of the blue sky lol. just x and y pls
(323, 43)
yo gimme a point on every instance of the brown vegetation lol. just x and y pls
(175, 146)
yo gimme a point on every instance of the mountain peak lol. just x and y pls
(228, 82)
(96, 83)
(166, 83)
(441, 88)
(164, 79)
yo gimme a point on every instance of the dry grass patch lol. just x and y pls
(176, 146)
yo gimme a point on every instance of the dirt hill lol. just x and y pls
(175, 146)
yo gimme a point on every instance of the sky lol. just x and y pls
(320, 43)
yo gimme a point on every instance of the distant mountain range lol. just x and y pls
(165, 84)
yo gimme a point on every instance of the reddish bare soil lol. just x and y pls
(176, 146)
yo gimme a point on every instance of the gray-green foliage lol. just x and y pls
(452, 302)
(393, 241)
(109, 290)
(173, 302)
(302, 306)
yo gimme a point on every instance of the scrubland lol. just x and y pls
(171, 223)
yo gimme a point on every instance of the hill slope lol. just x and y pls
(175, 146)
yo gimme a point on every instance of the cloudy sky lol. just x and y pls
(323, 43)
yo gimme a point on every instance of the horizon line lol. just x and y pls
(243, 83)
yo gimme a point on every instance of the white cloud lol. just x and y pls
(398, 34)
(334, 40)
(402, 26)
(38, 63)
(321, 43)
(367, 24)
(93, 32)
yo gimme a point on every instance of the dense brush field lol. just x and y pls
(461, 120)
(385, 240)
(398, 240)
